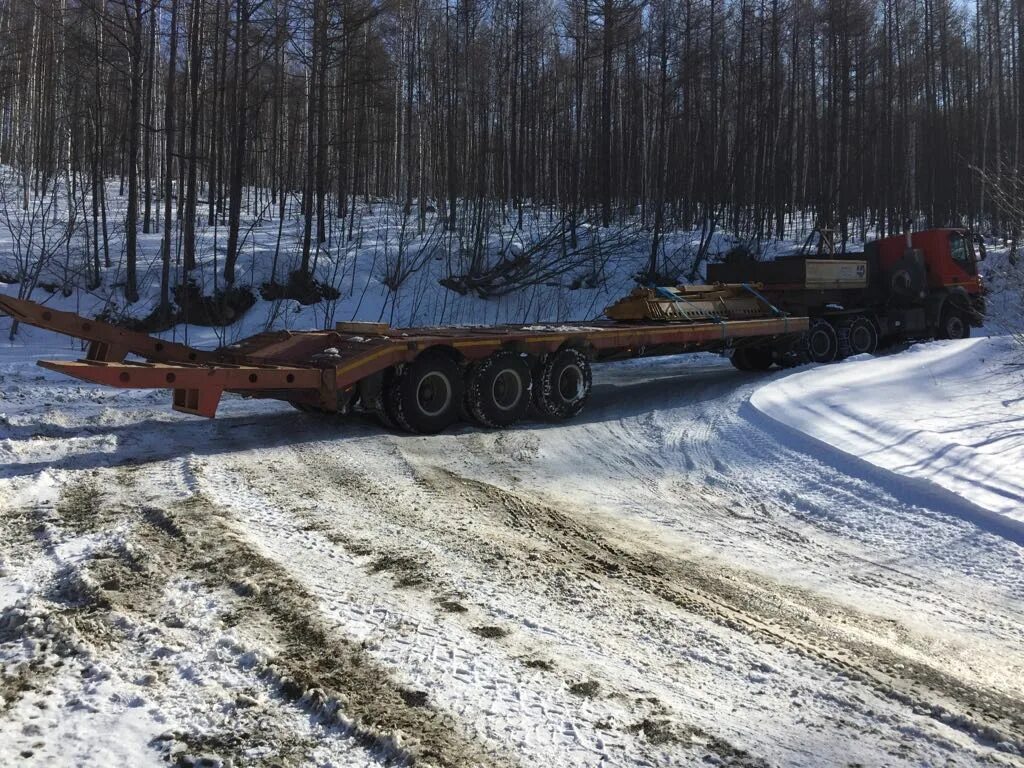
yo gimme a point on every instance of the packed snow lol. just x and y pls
(706, 566)
(667, 579)
(950, 413)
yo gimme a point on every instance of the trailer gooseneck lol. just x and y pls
(424, 379)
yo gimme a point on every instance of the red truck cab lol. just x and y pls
(949, 257)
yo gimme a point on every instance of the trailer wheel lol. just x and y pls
(953, 323)
(425, 396)
(562, 384)
(862, 337)
(821, 344)
(752, 358)
(379, 408)
(498, 390)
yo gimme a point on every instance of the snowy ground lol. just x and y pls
(949, 413)
(669, 579)
(675, 577)
(361, 262)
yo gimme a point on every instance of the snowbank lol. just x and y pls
(950, 413)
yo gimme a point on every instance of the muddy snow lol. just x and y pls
(672, 578)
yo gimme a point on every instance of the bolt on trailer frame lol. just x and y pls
(332, 370)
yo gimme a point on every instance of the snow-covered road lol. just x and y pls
(668, 579)
(950, 414)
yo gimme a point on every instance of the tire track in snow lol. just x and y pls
(751, 606)
(781, 499)
(279, 642)
(375, 483)
(805, 519)
(313, 666)
(413, 614)
(388, 509)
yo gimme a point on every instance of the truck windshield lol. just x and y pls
(960, 250)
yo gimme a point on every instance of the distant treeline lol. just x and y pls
(730, 113)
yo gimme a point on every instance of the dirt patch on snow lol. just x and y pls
(80, 504)
(542, 664)
(785, 616)
(489, 632)
(408, 571)
(105, 600)
(249, 742)
(314, 668)
(587, 689)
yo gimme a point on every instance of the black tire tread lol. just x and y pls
(857, 322)
(750, 359)
(548, 406)
(476, 404)
(947, 312)
(807, 339)
(394, 395)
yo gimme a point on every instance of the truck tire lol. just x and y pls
(425, 396)
(752, 358)
(561, 385)
(953, 323)
(379, 408)
(498, 390)
(843, 336)
(862, 337)
(821, 344)
(790, 352)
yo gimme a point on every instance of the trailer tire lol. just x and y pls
(425, 396)
(821, 343)
(380, 411)
(752, 358)
(498, 390)
(953, 323)
(381, 403)
(562, 384)
(862, 337)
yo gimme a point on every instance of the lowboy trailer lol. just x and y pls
(423, 379)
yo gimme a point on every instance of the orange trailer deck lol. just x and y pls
(333, 370)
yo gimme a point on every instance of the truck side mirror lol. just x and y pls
(982, 253)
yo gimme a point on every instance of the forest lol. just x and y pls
(761, 118)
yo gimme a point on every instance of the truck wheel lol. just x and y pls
(752, 358)
(739, 361)
(425, 396)
(379, 408)
(562, 384)
(498, 390)
(862, 337)
(953, 323)
(790, 353)
(821, 344)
